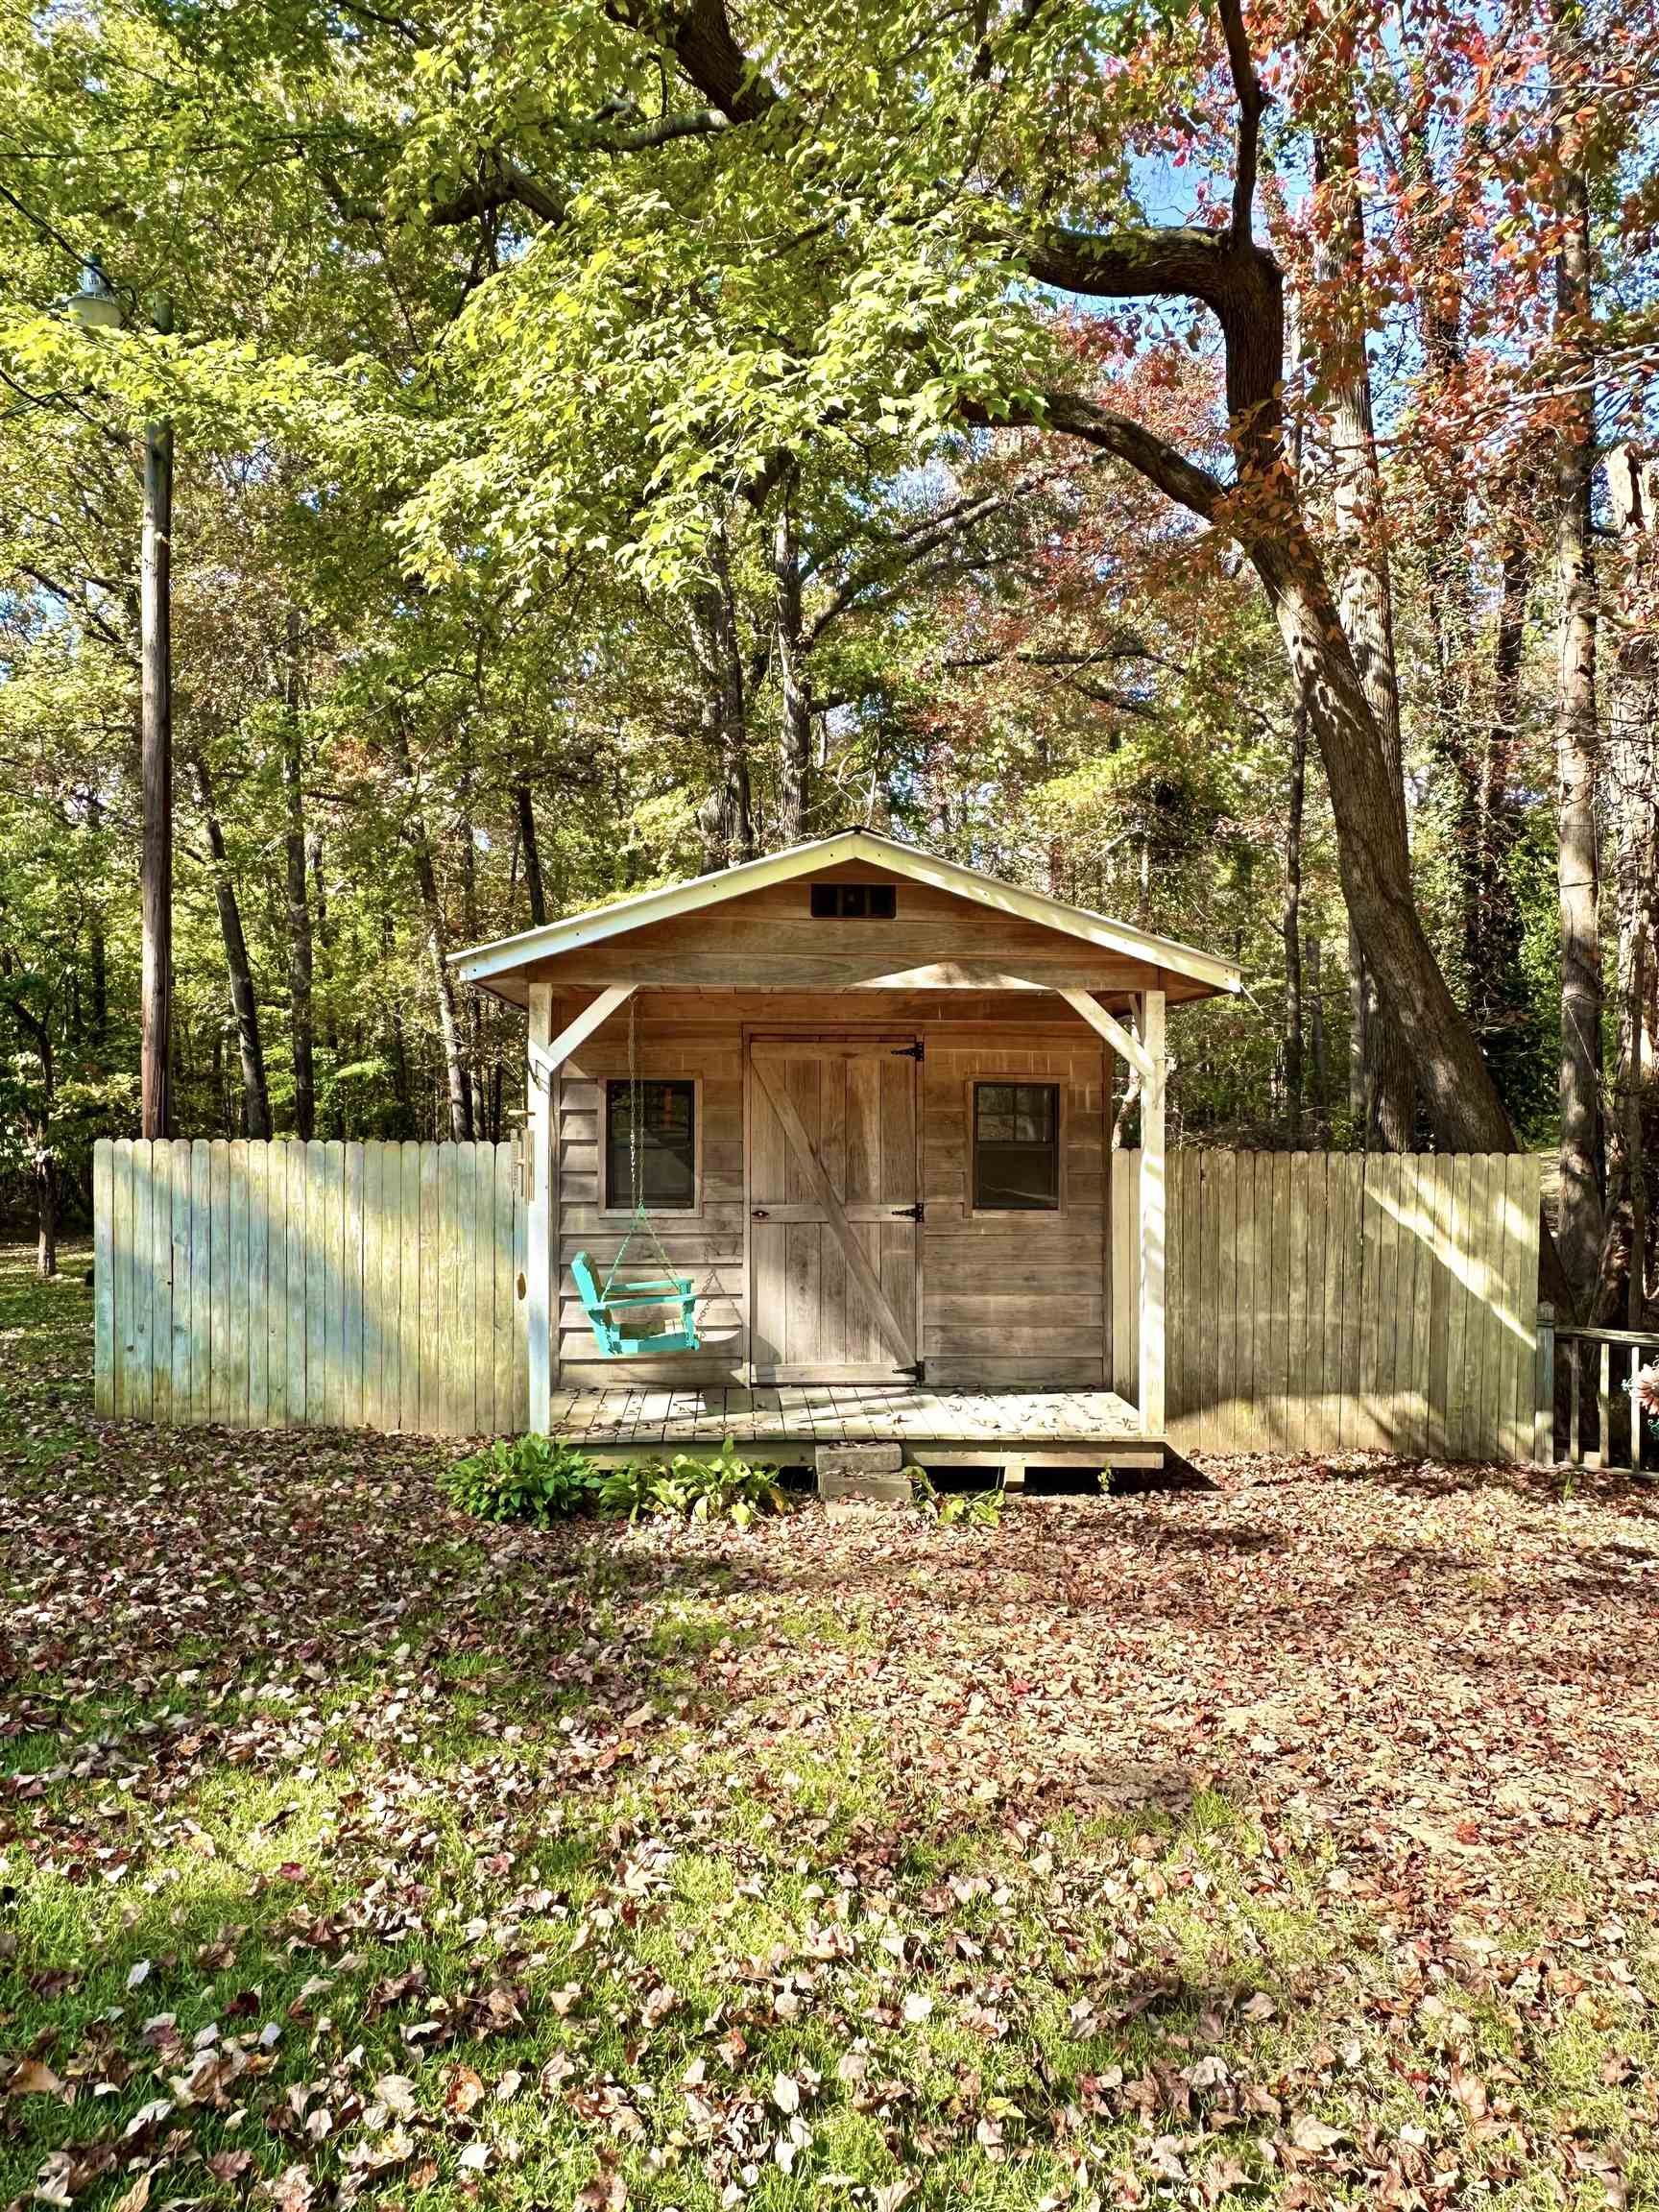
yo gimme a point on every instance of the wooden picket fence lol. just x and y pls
(320, 1284)
(1329, 1301)
(1316, 1301)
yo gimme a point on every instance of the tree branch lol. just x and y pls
(1149, 455)
(1248, 86)
(1135, 264)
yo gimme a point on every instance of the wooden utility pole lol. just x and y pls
(156, 774)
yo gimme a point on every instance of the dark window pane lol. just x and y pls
(854, 901)
(1016, 1145)
(668, 1144)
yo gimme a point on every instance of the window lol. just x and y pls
(854, 901)
(667, 1146)
(1015, 1146)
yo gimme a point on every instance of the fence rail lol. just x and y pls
(320, 1284)
(1333, 1301)
(1604, 1409)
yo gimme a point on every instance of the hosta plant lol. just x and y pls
(524, 1479)
(725, 1488)
(955, 1508)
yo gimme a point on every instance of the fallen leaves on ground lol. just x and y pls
(1293, 1841)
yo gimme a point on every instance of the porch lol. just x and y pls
(788, 1424)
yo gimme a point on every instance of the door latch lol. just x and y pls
(759, 1214)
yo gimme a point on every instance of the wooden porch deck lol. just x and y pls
(935, 1428)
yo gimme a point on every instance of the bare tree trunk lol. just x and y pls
(155, 776)
(300, 950)
(727, 817)
(1292, 928)
(1629, 763)
(244, 1000)
(1498, 1000)
(1316, 1038)
(1452, 1078)
(459, 1092)
(1365, 597)
(37, 1128)
(532, 850)
(795, 733)
(1582, 1141)
(474, 1059)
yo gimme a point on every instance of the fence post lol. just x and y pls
(1544, 1415)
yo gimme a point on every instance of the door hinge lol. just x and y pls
(916, 1213)
(916, 1051)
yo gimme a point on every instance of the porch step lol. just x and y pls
(872, 1471)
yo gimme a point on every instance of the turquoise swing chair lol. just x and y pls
(612, 1306)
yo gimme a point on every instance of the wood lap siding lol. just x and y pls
(322, 1284)
(708, 1244)
(1014, 1298)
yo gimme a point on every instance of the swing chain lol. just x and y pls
(642, 1222)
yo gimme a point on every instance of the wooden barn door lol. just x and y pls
(833, 1218)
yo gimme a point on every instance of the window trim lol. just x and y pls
(619, 1207)
(974, 1211)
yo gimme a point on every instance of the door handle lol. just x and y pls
(759, 1214)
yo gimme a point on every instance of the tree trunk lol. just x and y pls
(532, 850)
(795, 730)
(449, 1031)
(1582, 1153)
(1499, 999)
(1291, 928)
(1629, 762)
(46, 1212)
(1316, 1038)
(459, 1094)
(1366, 596)
(244, 1001)
(726, 818)
(299, 951)
(155, 777)
(37, 1139)
(1452, 1078)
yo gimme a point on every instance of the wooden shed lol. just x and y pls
(867, 1093)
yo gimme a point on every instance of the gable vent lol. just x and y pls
(854, 901)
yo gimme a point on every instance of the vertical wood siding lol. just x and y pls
(322, 1284)
(1328, 1302)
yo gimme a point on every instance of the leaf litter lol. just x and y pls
(1295, 1841)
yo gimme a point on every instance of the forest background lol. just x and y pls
(1197, 464)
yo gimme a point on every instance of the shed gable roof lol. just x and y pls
(492, 963)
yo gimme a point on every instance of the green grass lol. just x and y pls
(352, 1852)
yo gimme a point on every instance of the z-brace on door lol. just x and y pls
(833, 1207)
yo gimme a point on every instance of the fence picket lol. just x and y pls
(104, 1279)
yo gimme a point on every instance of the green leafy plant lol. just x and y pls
(725, 1488)
(955, 1509)
(524, 1479)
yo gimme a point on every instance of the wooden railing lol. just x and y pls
(1604, 1369)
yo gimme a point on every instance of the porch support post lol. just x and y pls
(546, 1055)
(1152, 1212)
(538, 1239)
